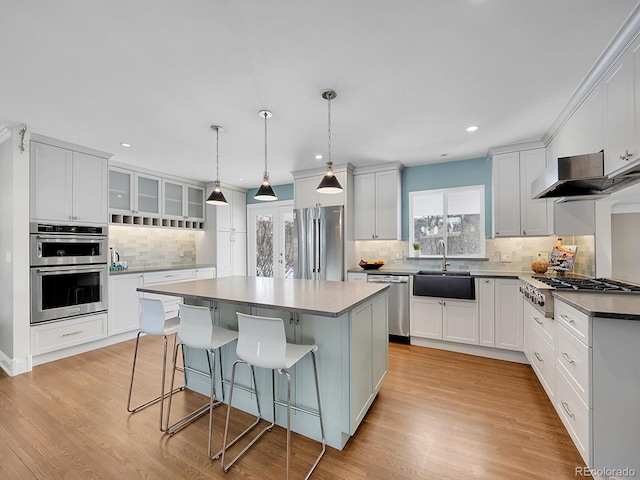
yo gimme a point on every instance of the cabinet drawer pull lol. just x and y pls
(538, 321)
(72, 333)
(538, 356)
(567, 358)
(567, 318)
(565, 407)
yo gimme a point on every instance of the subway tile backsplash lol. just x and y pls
(522, 250)
(143, 247)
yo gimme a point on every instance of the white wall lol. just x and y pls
(625, 232)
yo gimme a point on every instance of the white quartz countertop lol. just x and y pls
(330, 299)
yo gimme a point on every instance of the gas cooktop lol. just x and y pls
(589, 284)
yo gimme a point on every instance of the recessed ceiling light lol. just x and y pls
(240, 179)
(472, 128)
(318, 157)
(124, 144)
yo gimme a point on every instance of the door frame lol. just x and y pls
(252, 209)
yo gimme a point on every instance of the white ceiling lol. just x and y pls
(410, 75)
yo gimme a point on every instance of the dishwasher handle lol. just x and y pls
(388, 278)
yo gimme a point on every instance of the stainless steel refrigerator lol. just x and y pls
(318, 243)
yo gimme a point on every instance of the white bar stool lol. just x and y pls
(262, 343)
(153, 322)
(197, 331)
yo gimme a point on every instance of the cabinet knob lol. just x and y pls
(626, 156)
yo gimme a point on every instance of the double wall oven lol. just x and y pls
(69, 271)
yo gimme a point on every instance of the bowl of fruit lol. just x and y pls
(371, 264)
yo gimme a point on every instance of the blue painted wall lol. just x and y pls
(476, 171)
(284, 192)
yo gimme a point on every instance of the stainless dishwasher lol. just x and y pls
(398, 305)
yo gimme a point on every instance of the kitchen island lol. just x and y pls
(348, 322)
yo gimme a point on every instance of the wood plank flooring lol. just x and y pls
(439, 415)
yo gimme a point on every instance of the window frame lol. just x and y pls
(445, 191)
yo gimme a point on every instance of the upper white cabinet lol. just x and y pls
(134, 193)
(377, 202)
(515, 213)
(306, 182)
(231, 234)
(67, 185)
(181, 201)
(142, 198)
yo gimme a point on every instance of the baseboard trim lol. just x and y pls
(13, 367)
(488, 352)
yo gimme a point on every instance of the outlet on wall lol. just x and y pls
(398, 255)
(505, 258)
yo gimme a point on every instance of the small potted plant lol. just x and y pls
(416, 249)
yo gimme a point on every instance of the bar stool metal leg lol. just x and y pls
(160, 398)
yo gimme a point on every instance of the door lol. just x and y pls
(90, 196)
(51, 182)
(271, 240)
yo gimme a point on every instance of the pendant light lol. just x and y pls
(265, 193)
(217, 197)
(329, 183)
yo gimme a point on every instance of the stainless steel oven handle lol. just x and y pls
(84, 238)
(72, 269)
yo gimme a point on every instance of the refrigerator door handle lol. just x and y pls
(320, 249)
(314, 248)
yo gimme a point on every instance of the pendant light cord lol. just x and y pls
(217, 155)
(266, 173)
(329, 162)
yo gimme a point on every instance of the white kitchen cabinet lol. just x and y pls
(460, 321)
(182, 201)
(51, 336)
(619, 115)
(445, 319)
(67, 186)
(515, 213)
(305, 194)
(205, 273)
(377, 203)
(356, 277)
(231, 234)
(170, 303)
(508, 314)
(486, 311)
(426, 317)
(124, 303)
(134, 193)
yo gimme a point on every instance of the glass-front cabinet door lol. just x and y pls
(147, 195)
(173, 199)
(195, 203)
(120, 191)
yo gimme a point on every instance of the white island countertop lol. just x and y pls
(316, 297)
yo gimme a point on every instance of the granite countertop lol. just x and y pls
(412, 271)
(329, 299)
(160, 268)
(625, 306)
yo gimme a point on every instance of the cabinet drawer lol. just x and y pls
(168, 276)
(574, 358)
(543, 361)
(58, 335)
(546, 326)
(576, 322)
(356, 277)
(575, 415)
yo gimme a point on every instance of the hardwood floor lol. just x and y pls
(439, 415)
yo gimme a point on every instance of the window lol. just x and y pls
(454, 216)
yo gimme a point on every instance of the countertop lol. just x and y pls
(624, 306)
(329, 299)
(159, 269)
(412, 271)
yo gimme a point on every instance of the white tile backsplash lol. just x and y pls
(522, 250)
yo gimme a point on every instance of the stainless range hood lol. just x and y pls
(581, 177)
